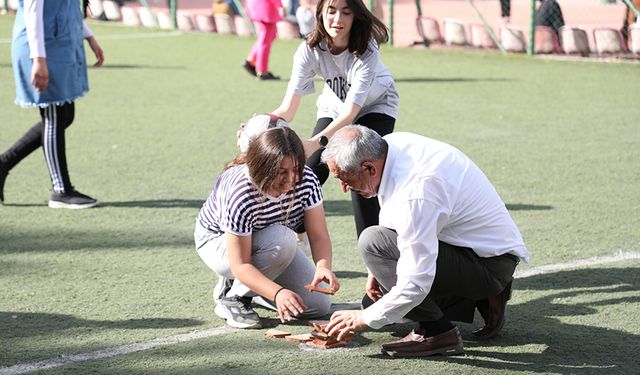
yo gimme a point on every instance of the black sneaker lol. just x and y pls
(268, 76)
(3, 176)
(72, 200)
(250, 68)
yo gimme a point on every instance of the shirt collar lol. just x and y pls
(386, 185)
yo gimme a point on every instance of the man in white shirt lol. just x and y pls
(445, 244)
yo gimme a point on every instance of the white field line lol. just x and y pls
(165, 34)
(112, 352)
(132, 348)
(581, 263)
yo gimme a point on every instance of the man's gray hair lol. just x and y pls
(353, 145)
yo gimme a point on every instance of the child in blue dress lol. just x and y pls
(50, 73)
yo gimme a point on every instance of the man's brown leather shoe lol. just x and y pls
(492, 310)
(418, 345)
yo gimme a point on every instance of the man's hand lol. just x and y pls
(40, 74)
(345, 323)
(373, 288)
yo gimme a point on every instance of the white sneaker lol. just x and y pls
(221, 288)
(237, 312)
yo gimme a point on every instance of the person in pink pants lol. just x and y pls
(264, 14)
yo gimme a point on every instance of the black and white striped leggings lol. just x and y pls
(48, 133)
(55, 119)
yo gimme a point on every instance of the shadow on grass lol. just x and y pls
(350, 274)
(152, 203)
(157, 203)
(332, 208)
(451, 80)
(527, 207)
(141, 66)
(575, 348)
(557, 332)
(51, 239)
(337, 208)
(21, 324)
(535, 338)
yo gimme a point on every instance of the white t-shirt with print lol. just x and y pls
(364, 81)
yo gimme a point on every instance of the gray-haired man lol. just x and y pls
(445, 240)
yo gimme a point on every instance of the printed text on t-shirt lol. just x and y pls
(340, 86)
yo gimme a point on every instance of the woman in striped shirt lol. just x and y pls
(244, 232)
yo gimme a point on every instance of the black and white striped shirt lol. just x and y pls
(236, 206)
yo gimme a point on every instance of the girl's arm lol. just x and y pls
(93, 43)
(316, 226)
(34, 26)
(289, 107)
(301, 82)
(346, 117)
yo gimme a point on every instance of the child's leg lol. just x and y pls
(266, 35)
(56, 118)
(29, 142)
(273, 249)
(253, 53)
(300, 273)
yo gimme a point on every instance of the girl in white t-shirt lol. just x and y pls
(343, 49)
(244, 232)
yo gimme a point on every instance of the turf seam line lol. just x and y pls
(132, 348)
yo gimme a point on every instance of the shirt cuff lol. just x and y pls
(372, 318)
(86, 31)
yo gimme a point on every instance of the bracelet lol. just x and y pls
(276, 295)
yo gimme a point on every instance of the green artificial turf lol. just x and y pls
(559, 140)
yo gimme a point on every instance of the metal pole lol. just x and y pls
(391, 22)
(425, 42)
(532, 28)
(173, 12)
(633, 7)
(146, 6)
(246, 19)
(488, 29)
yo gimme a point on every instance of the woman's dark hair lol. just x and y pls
(266, 152)
(365, 27)
(85, 8)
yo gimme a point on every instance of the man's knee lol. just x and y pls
(376, 241)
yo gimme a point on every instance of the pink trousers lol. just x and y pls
(262, 47)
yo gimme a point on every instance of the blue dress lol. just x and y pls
(66, 61)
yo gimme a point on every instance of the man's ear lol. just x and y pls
(369, 167)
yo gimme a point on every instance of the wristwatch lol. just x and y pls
(323, 141)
